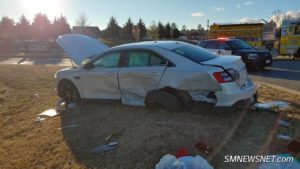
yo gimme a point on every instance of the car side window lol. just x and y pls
(224, 45)
(157, 61)
(144, 59)
(212, 45)
(110, 60)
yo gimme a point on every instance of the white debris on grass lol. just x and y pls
(45, 114)
(273, 104)
(284, 123)
(283, 137)
(39, 119)
(49, 113)
(68, 126)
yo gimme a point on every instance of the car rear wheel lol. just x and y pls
(68, 92)
(297, 54)
(157, 99)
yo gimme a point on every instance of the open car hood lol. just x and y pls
(79, 47)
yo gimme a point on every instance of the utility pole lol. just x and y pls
(207, 28)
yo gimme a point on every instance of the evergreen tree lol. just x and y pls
(168, 31)
(60, 26)
(113, 29)
(7, 31)
(127, 29)
(23, 29)
(41, 27)
(175, 33)
(143, 30)
(161, 30)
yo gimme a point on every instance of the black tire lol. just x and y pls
(68, 92)
(157, 99)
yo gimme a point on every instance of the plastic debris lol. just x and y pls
(283, 136)
(69, 126)
(39, 119)
(49, 113)
(182, 152)
(104, 148)
(284, 123)
(45, 114)
(60, 105)
(273, 104)
(108, 137)
(113, 143)
(187, 162)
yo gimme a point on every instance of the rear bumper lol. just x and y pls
(232, 94)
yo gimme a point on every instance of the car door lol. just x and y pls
(101, 81)
(142, 72)
(224, 48)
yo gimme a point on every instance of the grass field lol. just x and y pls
(144, 135)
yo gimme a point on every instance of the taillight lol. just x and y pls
(223, 77)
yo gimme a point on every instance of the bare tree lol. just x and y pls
(82, 20)
(278, 17)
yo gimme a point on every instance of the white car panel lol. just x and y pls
(100, 83)
(136, 82)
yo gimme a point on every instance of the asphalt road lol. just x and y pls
(283, 73)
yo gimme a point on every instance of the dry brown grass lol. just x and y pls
(144, 135)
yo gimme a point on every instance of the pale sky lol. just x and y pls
(182, 12)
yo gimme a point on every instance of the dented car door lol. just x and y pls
(101, 82)
(141, 73)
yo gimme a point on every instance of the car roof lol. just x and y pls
(223, 39)
(169, 45)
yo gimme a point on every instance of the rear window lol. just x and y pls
(212, 45)
(195, 53)
(202, 44)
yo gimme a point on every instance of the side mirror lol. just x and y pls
(169, 64)
(88, 65)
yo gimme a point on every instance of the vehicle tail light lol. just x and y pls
(223, 77)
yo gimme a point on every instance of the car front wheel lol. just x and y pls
(68, 92)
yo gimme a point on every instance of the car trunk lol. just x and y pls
(231, 62)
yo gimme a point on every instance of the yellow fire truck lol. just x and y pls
(257, 34)
(290, 38)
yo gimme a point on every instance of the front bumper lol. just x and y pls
(260, 62)
(231, 94)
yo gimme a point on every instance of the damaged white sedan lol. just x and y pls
(166, 74)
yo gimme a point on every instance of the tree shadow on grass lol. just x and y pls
(144, 135)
